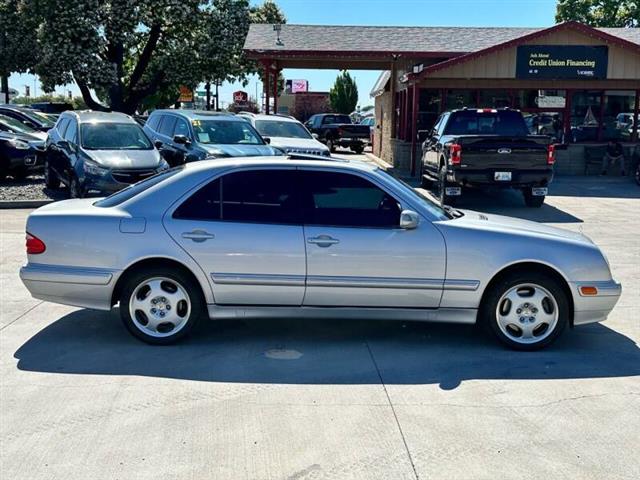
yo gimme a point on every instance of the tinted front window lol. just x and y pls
(472, 122)
(182, 128)
(61, 126)
(71, 134)
(341, 199)
(152, 123)
(114, 136)
(167, 125)
(225, 132)
(275, 128)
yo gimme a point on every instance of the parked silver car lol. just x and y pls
(276, 237)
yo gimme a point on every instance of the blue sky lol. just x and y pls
(514, 13)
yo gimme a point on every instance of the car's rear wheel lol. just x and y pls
(331, 146)
(531, 200)
(358, 150)
(443, 184)
(637, 174)
(160, 307)
(51, 179)
(526, 311)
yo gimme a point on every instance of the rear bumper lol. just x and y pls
(351, 142)
(78, 286)
(594, 308)
(486, 177)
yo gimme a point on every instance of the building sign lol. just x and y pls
(240, 97)
(186, 94)
(296, 86)
(551, 101)
(562, 61)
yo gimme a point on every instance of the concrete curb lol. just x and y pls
(11, 204)
(378, 161)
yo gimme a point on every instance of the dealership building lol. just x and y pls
(576, 83)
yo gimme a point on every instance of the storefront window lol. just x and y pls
(461, 98)
(617, 122)
(494, 98)
(546, 123)
(533, 99)
(585, 115)
(428, 108)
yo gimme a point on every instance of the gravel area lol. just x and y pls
(31, 188)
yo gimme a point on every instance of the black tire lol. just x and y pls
(331, 146)
(637, 174)
(51, 179)
(19, 174)
(76, 190)
(442, 185)
(357, 150)
(426, 182)
(488, 314)
(532, 201)
(190, 287)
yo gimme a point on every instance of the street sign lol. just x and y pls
(240, 97)
(186, 94)
(562, 61)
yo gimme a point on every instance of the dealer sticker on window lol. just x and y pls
(502, 176)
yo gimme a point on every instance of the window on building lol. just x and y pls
(494, 98)
(534, 99)
(585, 115)
(428, 108)
(617, 121)
(461, 98)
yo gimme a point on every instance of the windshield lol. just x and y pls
(131, 191)
(435, 209)
(40, 118)
(15, 125)
(279, 128)
(114, 136)
(225, 132)
(472, 122)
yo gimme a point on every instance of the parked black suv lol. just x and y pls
(31, 118)
(188, 135)
(19, 154)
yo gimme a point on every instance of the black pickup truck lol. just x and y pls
(337, 130)
(486, 148)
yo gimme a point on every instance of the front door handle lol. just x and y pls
(323, 240)
(198, 235)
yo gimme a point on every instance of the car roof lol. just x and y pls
(279, 161)
(276, 117)
(200, 114)
(92, 116)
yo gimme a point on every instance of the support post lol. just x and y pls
(276, 75)
(207, 87)
(405, 133)
(267, 77)
(414, 130)
(636, 116)
(394, 118)
(567, 116)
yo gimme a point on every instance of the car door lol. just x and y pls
(182, 151)
(55, 156)
(69, 150)
(434, 146)
(357, 255)
(244, 230)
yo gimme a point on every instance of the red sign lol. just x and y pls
(240, 97)
(186, 94)
(298, 86)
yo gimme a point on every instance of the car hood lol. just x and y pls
(297, 143)
(517, 226)
(240, 150)
(125, 158)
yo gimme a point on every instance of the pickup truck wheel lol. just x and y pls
(331, 146)
(531, 200)
(426, 182)
(358, 150)
(51, 180)
(526, 310)
(442, 185)
(637, 175)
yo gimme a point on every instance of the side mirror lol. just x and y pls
(316, 136)
(409, 219)
(157, 144)
(181, 140)
(267, 140)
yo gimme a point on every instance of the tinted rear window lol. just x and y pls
(472, 122)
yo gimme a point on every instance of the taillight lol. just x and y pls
(456, 153)
(551, 154)
(340, 132)
(35, 245)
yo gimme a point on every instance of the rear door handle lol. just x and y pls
(323, 240)
(198, 235)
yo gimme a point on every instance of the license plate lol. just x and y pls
(539, 192)
(453, 191)
(502, 176)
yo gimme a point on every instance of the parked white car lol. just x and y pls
(286, 133)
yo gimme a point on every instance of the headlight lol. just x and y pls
(93, 168)
(163, 165)
(19, 144)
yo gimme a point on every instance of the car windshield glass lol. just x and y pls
(15, 125)
(225, 132)
(40, 118)
(114, 136)
(435, 209)
(472, 122)
(275, 128)
(131, 191)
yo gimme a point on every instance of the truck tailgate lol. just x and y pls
(496, 152)
(353, 131)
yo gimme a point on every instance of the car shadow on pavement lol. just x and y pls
(322, 352)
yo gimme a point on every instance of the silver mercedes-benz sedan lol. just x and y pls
(309, 238)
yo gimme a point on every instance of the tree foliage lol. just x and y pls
(600, 13)
(343, 96)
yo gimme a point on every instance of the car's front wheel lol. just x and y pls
(160, 307)
(526, 311)
(443, 185)
(76, 190)
(51, 179)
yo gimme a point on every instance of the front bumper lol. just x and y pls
(594, 308)
(486, 177)
(77, 286)
(114, 180)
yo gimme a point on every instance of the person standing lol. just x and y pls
(613, 154)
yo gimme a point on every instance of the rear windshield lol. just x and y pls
(136, 189)
(501, 122)
(336, 119)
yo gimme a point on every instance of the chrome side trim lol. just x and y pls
(445, 315)
(470, 285)
(609, 288)
(257, 279)
(36, 272)
(374, 282)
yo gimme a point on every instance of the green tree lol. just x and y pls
(18, 46)
(600, 13)
(343, 96)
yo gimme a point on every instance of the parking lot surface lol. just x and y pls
(80, 398)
